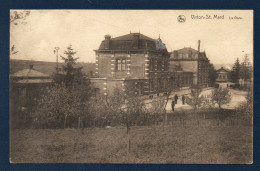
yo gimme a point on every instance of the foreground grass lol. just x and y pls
(185, 139)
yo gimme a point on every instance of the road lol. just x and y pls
(237, 97)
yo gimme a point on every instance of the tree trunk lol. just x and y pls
(163, 121)
(128, 134)
(128, 139)
(78, 122)
(166, 118)
(164, 109)
(219, 105)
(65, 120)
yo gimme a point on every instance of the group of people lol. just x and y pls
(175, 100)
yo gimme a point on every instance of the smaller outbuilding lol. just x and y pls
(223, 75)
(223, 78)
(26, 87)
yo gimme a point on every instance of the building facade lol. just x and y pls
(179, 78)
(192, 61)
(134, 62)
(223, 75)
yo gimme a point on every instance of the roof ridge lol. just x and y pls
(185, 48)
(26, 73)
(129, 37)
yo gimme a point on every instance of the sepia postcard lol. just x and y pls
(131, 86)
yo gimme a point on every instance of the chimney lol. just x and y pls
(199, 46)
(107, 41)
(135, 40)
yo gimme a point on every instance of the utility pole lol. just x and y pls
(57, 58)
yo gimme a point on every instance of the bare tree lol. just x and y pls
(220, 96)
(16, 18)
(13, 50)
(19, 17)
(195, 99)
(164, 104)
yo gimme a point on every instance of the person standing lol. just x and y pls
(183, 99)
(173, 104)
(176, 98)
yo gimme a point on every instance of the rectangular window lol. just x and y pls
(151, 85)
(159, 65)
(151, 65)
(190, 53)
(123, 65)
(165, 65)
(120, 64)
(175, 54)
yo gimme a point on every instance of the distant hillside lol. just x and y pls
(45, 67)
(49, 67)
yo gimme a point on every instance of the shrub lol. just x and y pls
(60, 107)
(245, 110)
(220, 96)
(195, 99)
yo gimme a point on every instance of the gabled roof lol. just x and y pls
(222, 70)
(34, 81)
(29, 73)
(186, 50)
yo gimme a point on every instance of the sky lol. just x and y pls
(223, 39)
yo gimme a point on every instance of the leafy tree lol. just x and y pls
(235, 73)
(220, 96)
(245, 69)
(121, 107)
(135, 108)
(195, 98)
(54, 107)
(68, 98)
(70, 75)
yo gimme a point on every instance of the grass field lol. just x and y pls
(187, 138)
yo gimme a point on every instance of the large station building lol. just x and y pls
(134, 62)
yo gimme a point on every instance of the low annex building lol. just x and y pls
(134, 62)
(26, 86)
